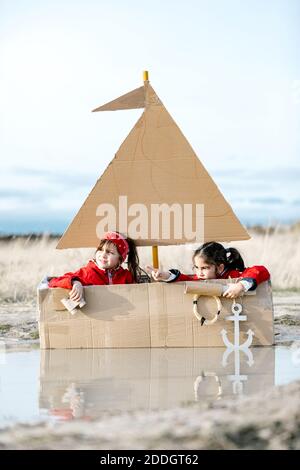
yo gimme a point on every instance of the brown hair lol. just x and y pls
(132, 259)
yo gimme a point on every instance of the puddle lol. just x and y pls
(85, 384)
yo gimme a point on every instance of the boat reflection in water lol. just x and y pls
(87, 383)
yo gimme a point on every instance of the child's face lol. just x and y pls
(205, 270)
(107, 257)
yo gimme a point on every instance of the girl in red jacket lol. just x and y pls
(105, 268)
(213, 261)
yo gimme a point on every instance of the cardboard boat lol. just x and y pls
(151, 315)
(154, 165)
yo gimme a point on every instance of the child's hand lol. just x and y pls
(157, 274)
(76, 293)
(234, 290)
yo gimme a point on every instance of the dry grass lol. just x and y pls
(24, 262)
(277, 248)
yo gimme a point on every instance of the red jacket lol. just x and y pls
(92, 275)
(256, 274)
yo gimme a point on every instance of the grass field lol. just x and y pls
(25, 261)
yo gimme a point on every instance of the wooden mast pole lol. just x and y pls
(155, 261)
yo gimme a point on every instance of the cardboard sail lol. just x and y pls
(154, 165)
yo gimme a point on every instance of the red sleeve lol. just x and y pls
(258, 273)
(129, 278)
(186, 277)
(65, 281)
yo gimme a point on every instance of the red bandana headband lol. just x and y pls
(120, 242)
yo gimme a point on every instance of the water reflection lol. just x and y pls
(86, 383)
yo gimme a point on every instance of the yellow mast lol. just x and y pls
(155, 261)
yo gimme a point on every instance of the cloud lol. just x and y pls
(17, 194)
(267, 200)
(57, 176)
(253, 175)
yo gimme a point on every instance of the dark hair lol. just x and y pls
(132, 260)
(215, 253)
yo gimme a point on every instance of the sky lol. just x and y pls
(228, 72)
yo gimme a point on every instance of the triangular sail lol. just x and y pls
(154, 165)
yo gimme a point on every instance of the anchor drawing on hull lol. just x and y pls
(245, 350)
(237, 379)
(236, 309)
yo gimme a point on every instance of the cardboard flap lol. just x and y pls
(133, 100)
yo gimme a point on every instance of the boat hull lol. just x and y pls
(150, 315)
